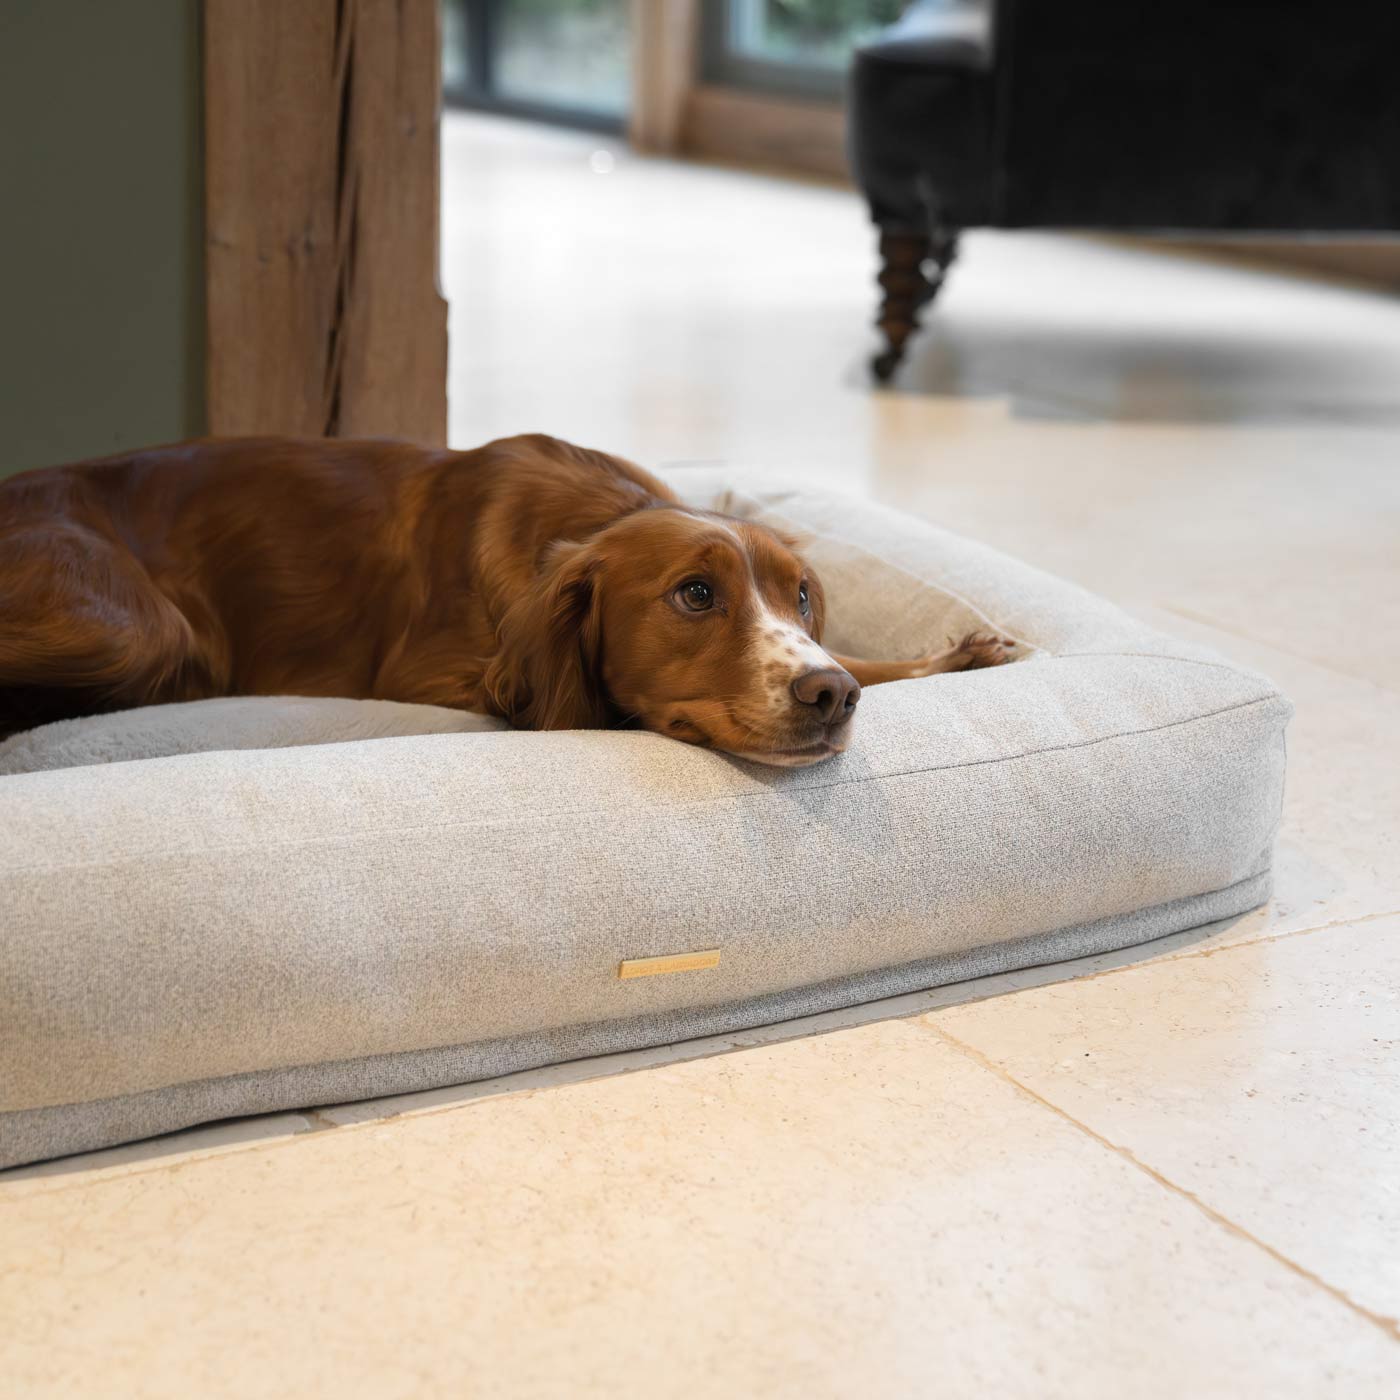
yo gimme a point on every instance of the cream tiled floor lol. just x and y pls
(1173, 1171)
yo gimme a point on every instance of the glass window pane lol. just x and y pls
(456, 72)
(564, 53)
(807, 33)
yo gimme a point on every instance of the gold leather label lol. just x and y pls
(671, 962)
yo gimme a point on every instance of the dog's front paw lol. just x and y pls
(979, 649)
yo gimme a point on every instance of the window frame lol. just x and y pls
(722, 65)
(481, 20)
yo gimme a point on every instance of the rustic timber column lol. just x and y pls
(321, 218)
(665, 40)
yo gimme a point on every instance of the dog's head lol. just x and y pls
(697, 626)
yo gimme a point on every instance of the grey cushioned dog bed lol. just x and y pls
(191, 937)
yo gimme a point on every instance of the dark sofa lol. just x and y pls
(1146, 116)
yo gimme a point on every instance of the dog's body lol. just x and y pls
(555, 586)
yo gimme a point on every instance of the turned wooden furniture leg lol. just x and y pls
(912, 268)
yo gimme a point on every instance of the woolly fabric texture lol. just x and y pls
(252, 929)
(271, 722)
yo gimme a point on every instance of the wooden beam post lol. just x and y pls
(323, 312)
(665, 43)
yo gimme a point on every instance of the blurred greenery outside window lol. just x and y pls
(569, 60)
(787, 47)
(555, 60)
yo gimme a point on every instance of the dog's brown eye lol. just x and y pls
(697, 595)
(803, 602)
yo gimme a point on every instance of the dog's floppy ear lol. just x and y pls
(816, 598)
(796, 544)
(546, 673)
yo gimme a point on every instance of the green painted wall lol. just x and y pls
(101, 229)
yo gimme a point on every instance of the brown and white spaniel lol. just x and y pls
(557, 587)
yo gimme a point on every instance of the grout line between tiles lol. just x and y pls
(1346, 922)
(1387, 1325)
(1206, 621)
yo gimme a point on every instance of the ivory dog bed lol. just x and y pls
(261, 928)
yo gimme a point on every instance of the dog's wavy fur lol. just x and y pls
(529, 578)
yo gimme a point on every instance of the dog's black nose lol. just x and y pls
(832, 693)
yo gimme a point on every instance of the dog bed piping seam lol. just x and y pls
(298, 843)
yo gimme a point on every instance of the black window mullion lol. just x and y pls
(483, 24)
